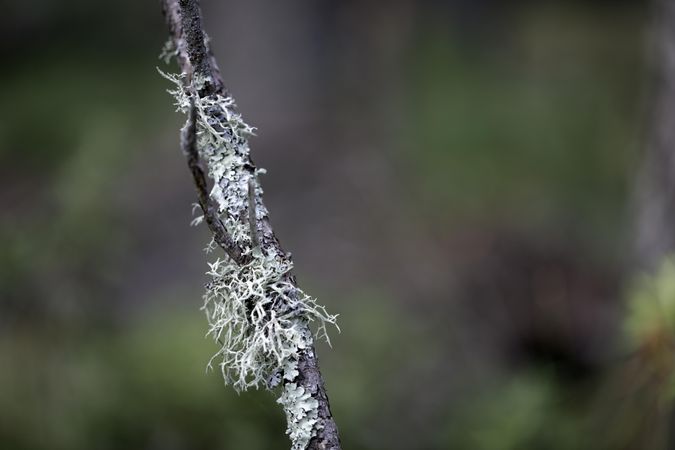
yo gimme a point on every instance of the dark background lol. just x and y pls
(453, 178)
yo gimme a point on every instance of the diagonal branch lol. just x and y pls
(220, 234)
(196, 61)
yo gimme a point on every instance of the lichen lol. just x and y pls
(259, 318)
(169, 51)
(301, 413)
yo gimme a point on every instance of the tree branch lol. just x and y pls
(252, 218)
(195, 59)
(220, 234)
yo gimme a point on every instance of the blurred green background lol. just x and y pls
(452, 177)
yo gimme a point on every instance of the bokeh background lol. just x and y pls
(454, 178)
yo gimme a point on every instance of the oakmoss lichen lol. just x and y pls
(259, 318)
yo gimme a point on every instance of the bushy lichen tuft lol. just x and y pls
(259, 318)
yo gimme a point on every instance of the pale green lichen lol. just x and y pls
(260, 319)
(301, 413)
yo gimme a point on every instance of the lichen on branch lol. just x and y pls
(260, 320)
(259, 317)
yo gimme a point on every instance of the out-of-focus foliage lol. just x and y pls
(651, 338)
(537, 128)
(651, 312)
(518, 413)
(144, 387)
(513, 120)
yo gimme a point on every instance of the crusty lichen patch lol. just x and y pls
(258, 317)
(301, 413)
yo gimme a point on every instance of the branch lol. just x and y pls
(220, 234)
(252, 219)
(196, 61)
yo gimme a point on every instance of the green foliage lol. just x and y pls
(526, 411)
(535, 130)
(127, 390)
(651, 306)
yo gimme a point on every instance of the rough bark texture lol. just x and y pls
(183, 18)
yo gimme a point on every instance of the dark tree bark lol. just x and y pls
(195, 59)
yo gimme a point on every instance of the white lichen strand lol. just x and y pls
(168, 52)
(259, 318)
